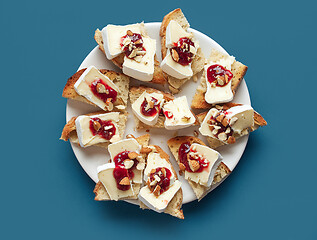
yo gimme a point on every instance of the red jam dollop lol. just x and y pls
(182, 48)
(121, 172)
(150, 111)
(183, 156)
(215, 71)
(105, 129)
(103, 91)
(136, 40)
(165, 180)
(168, 114)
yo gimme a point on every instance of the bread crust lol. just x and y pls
(238, 70)
(69, 130)
(101, 192)
(199, 59)
(199, 190)
(215, 143)
(158, 76)
(119, 79)
(175, 205)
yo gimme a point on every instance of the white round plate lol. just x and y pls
(92, 157)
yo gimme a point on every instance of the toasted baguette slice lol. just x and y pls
(238, 70)
(70, 133)
(199, 59)
(101, 192)
(221, 173)
(119, 79)
(213, 142)
(175, 205)
(158, 76)
(135, 93)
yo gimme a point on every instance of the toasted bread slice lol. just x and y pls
(238, 70)
(135, 93)
(158, 76)
(199, 59)
(70, 133)
(213, 142)
(101, 192)
(221, 173)
(119, 79)
(175, 205)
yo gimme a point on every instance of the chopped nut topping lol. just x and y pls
(101, 88)
(157, 178)
(128, 163)
(129, 33)
(175, 55)
(222, 136)
(157, 191)
(225, 122)
(140, 166)
(139, 41)
(231, 140)
(109, 104)
(220, 117)
(107, 127)
(182, 167)
(152, 171)
(125, 181)
(130, 136)
(228, 130)
(153, 183)
(145, 150)
(96, 125)
(220, 80)
(133, 155)
(194, 165)
(163, 172)
(185, 119)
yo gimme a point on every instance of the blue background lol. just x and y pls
(46, 195)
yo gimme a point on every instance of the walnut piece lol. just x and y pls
(133, 155)
(125, 181)
(175, 55)
(96, 125)
(194, 165)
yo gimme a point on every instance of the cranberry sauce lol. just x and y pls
(119, 173)
(103, 91)
(105, 129)
(148, 110)
(182, 48)
(168, 114)
(164, 182)
(183, 155)
(119, 161)
(215, 71)
(136, 40)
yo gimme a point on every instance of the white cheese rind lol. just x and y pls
(82, 85)
(240, 119)
(130, 145)
(85, 136)
(180, 109)
(136, 108)
(144, 69)
(218, 94)
(174, 32)
(244, 115)
(214, 158)
(175, 69)
(105, 176)
(112, 35)
(159, 203)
